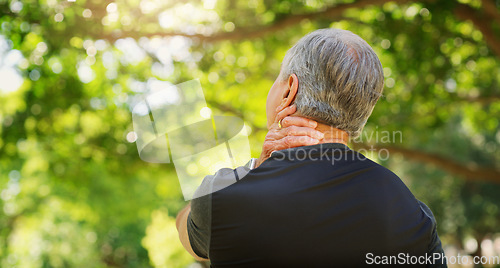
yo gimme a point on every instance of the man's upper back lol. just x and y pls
(316, 206)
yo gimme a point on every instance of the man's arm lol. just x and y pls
(181, 223)
(435, 248)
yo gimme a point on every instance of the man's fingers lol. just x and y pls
(294, 132)
(285, 112)
(299, 131)
(298, 121)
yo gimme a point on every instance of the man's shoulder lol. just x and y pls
(223, 178)
(384, 184)
(382, 171)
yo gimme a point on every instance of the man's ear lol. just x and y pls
(291, 91)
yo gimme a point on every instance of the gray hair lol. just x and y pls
(340, 78)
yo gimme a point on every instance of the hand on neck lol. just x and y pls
(332, 134)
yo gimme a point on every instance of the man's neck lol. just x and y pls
(332, 135)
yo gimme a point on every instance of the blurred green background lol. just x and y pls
(73, 190)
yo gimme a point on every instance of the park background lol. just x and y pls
(73, 190)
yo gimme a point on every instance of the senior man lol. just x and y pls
(310, 200)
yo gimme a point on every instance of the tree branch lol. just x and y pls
(229, 109)
(483, 24)
(470, 171)
(489, 7)
(462, 11)
(482, 99)
(262, 30)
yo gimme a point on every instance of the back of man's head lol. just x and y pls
(340, 78)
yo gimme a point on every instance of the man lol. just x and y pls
(310, 200)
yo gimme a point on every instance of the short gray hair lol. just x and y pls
(340, 78)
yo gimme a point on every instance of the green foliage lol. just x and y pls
(73, 191)
(162, 243)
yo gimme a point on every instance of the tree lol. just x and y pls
(70, 174)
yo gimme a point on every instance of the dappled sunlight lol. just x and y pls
(9, 75)
(161, 241)
(82, 82)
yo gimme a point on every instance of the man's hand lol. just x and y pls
(294, 132)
